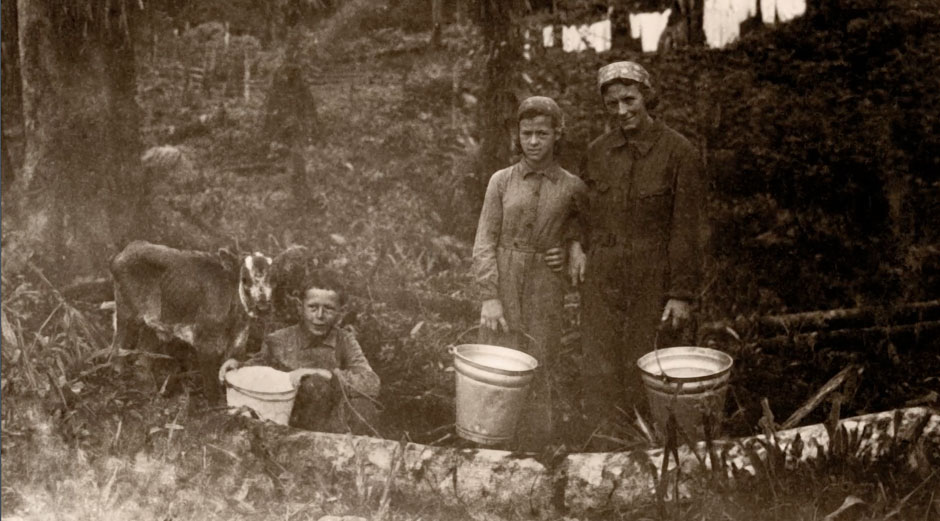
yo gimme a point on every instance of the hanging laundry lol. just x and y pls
(721, 20)
(782, 10)
(790, 9)
(577, 38)
(598, 36)
(571, 40)
(548, 36)
(768, 11)
(648, 27)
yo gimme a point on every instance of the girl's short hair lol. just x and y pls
(542, 106)
(558, 122)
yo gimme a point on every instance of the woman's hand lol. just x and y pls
(297, 374)
(676, 313)
(227, 366)
(555, 258)
(577, 263)
(491, 315)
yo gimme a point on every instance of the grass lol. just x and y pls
(113, 448)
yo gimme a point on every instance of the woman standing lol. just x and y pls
(647, 194)
(529, 227)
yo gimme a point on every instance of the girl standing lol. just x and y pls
(529, 230)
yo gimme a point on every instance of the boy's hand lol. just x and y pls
(227, 366)
(297, 374)
(491, 315)
(555, 258)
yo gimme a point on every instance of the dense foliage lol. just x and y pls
(821, 140)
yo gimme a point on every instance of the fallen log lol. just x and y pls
(918, 334)
(835, 319)
(506, 482)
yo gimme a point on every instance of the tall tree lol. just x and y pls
(82, 192)
(11, 103)
(502, 33)
(291, 109)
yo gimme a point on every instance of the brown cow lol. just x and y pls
(164, 295)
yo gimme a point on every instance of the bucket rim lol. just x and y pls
(497, 370)
(228, 383)
(284, 396)
(668, 378)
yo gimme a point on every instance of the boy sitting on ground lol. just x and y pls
(336, 386)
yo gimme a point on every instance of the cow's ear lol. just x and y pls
(228, 259)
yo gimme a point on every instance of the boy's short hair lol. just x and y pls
(326, 279)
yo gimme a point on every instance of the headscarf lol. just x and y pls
(542, 105)
(624, 70)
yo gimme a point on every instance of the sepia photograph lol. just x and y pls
(486, 260)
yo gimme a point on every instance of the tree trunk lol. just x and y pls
(437, 22)
(291, 117)
(696, 18)
(83, 191)
(503, 51)
(11, 101)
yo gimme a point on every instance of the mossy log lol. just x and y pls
(500, 481)
(836, 319)
(918, 334)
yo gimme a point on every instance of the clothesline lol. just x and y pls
(721, 24)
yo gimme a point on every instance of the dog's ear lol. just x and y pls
(228, 259)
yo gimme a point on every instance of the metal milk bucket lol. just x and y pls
(264, 389)
(695, 382)
(492, 386)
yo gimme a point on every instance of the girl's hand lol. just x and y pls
(491, 315)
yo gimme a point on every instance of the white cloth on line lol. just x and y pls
(571, 39)
(721, 20)
(548, 36)
(598, 36)
(790, 9)
(648, 27)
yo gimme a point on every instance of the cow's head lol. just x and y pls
(254, 283)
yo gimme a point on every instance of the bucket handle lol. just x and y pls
(450, 348)
(662, 372)
(663, 376)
